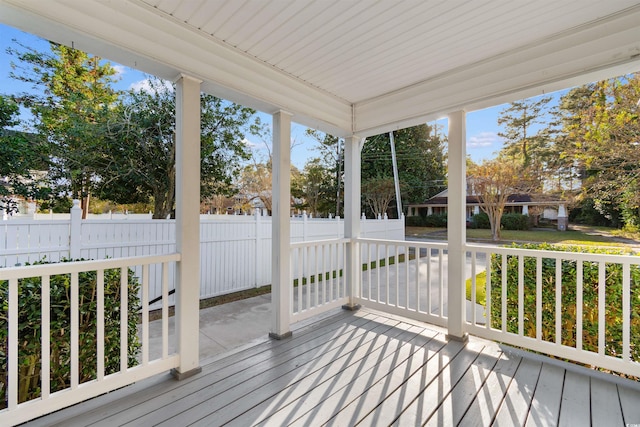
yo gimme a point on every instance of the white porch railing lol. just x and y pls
(318, 279)
(77, 386)
(583, 307)
(404, 278)
(580, 306)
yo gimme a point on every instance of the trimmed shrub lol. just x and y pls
(481, 221)
(438, 220)
(514, 221)
(613, 300)
(414, 221)
(30, 329)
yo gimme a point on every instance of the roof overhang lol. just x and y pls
(574, 42)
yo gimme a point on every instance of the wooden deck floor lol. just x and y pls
(368, 368)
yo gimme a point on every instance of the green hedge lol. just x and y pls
(30, 328)
(613, 300)
(509, 221)
(437, 220)
(514, 221)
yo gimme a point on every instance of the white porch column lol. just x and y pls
(456, 226)
(352, 217)
(188, 224)
(281, 287)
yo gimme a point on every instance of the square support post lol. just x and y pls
(188, 225)
(456, 227)
(352, 218)
(281, 287)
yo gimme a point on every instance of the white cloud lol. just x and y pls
(144, 86)
(250, 144)
(119, 69)
(484, 140)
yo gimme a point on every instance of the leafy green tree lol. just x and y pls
(600, 123)
(378, 193)
(527, 136)
(421, 161)
(493, 182)
(74, 102)
(317, 188)
(331, 158)
(140, 148)
(21, 156)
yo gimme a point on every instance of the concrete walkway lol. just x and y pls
(222, 327)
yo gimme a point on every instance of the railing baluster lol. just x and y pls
(369, 268)
(487, 263)
(397, 265)
(626, 312)
(601, 305)
(124, 321)
(75, 374)
(579, 303)
(417, 263)
(325, 278)
(12, 362)
(378, 271)
(538, 298)
(558, 300)
(520, 295)
(100, 324)
(441, 283)
(473, 287)
(316, 273)
(332, 255)
(407, 276)
(504, 292)
(165, 310)
(145, 314)
(386, 265)
(307, 265)
(45, 338)
(428, 281)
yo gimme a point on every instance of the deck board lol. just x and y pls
(545, 407)
(605, 403)
(573, 412)
(489, 397)
(368, 368)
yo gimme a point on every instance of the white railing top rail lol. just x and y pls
(535, 253)
(318, 242)
(415, 243)
(81, 266)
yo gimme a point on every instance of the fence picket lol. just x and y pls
(235, 250)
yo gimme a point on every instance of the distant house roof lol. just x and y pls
(441, 198)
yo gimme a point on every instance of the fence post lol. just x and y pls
(305, 226)
(75, 230)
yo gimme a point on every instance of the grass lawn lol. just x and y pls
(481, 288)
(591, 236)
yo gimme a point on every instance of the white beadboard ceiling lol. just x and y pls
(347, 66)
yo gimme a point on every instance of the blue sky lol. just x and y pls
(482, 129)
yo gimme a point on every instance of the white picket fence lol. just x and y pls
(235, 251)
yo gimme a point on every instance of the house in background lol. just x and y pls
(545, 207)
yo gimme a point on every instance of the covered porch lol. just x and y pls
(368, 368)
(351, 69)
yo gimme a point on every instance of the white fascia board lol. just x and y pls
(138, 36)
(606, 49)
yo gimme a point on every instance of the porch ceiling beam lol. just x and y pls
(125, 31)
(583, 55)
